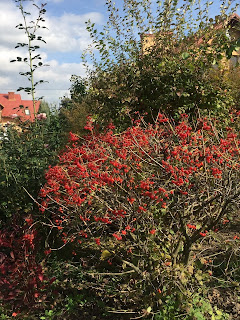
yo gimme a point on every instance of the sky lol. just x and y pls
(66, 39)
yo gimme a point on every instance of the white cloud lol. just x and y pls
(10, 16)
(58, 76)
(5, 81)
(68, 33)
(56, 73)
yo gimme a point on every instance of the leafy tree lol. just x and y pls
(45, 109)
(77, 89)
(157, 61)
(74, 110)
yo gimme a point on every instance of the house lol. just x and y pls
(13, 109)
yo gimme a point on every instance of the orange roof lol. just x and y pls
(13, 106)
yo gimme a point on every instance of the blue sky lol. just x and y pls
(66, 39)
(77, 6)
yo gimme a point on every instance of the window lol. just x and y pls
(27, 111)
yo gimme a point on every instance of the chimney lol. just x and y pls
(11, 96)
(234, 27)
(147, 41)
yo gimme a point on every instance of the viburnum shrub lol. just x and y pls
(140, 201)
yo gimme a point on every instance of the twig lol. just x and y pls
(109, 273)
(121, 311)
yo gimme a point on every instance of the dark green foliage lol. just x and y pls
(77, 89)
(167, 83)
(74, 110)
(44, 108)
(24, 157)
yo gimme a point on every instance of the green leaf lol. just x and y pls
(214, 62)
(185, 55)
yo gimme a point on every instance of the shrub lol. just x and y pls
(166, 81)
(157, 56)
(134, 205)
(24, 157)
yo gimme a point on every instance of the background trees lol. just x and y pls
(174, 74)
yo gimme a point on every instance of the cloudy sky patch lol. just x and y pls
(66, 38)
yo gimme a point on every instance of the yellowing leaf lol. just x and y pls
(105, 254)
(190, 269)
(149, 309)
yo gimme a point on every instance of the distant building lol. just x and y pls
(13, 109)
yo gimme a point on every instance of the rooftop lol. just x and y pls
(13, 106)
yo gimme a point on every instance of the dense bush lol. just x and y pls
(163, 59)
(135, 206)
(167, 80)
(25, 153)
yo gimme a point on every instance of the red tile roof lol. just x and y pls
(13, 106)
